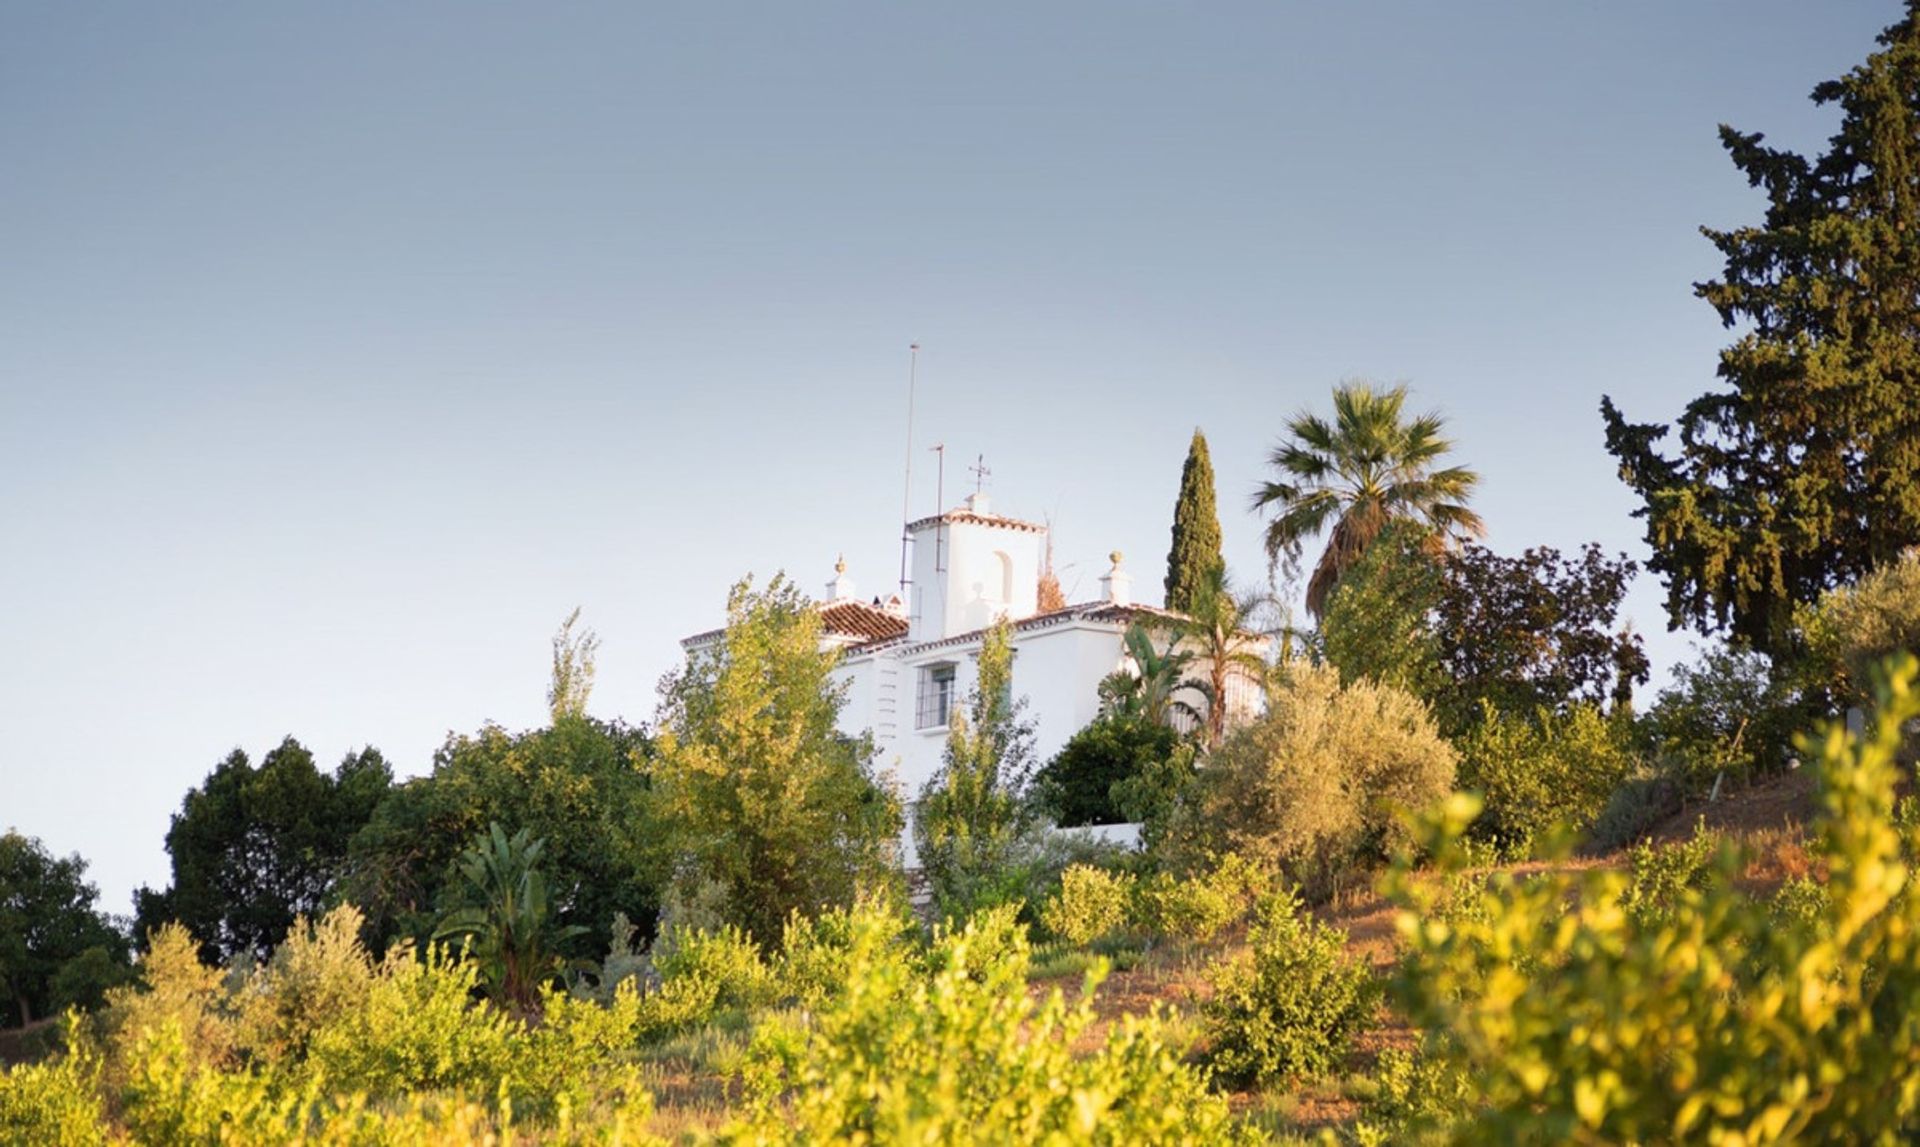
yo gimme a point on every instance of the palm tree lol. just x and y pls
(510, 931)
(1353, 476)
(1152, 691)
(1219, 633)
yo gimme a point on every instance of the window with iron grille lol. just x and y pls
(935, 700)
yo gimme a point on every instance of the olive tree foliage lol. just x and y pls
(772, 809)
(972, 818)
(253, 847)
(1804, 472)
(56, 950)
(1317, 785)
(1852, 628)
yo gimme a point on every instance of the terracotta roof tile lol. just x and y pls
(861, 620)
(965, 516)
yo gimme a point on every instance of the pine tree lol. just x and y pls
(1195, 557)
(1805, 474)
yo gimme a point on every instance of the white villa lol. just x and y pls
(906, 667)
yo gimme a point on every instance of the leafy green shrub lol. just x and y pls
(1729, 712)
(1543, 772)
(578, 1059)
(815, 951)
(1852, 628)
(55, 1103)
(1415, 1089)
(317, 975)
(1712, 1019)
(1312, 787)
(324, 1045)
(1660, 876)
(1076, 786)
(1091, 903)
(1151, 797)
(1641, 802)
(956, 1050)
(1800, 904)
(174, 989)
(726, 957)
(1201, 906)
(1290, 1007)
(416, 1028)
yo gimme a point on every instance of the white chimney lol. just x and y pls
(1116, 585)
(977, 503)
(841, 587)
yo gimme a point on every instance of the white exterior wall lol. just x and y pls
(1058, 670)
(968, 574)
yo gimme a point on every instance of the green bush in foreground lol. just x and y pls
(1091, 903)
(1289, 1008)
(1201, 906)
(326, 1045)
(1543, 771)
(1726, 1017)
(957, 1051)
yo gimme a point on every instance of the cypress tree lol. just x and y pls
(1805, 473)
(1195, 560)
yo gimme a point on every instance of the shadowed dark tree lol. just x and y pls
(1804, 473)
(254, 847)
(55, 950)
(1539, 631)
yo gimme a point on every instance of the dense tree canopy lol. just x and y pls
(48, 927)
(252, 848)
(1536, 631)
(582, 785)
(775, 810)
(1076, 786)
(1472, 628)
(1195, 554)
(1378, 624)
(1805, 473)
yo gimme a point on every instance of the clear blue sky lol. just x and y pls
(345, 348)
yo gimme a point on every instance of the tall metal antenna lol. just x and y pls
(940, 509)
(906, 499)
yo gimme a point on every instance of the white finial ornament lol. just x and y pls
(841, 587)
(1116, 585)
